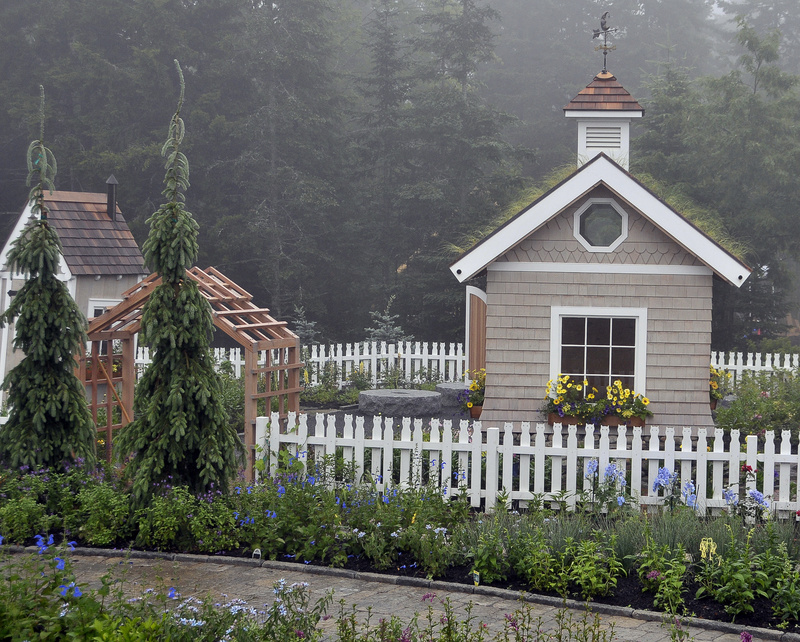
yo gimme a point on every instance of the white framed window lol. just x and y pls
(98, 306)
(600, 225)
(600, 345)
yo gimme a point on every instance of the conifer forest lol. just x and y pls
(345, 152)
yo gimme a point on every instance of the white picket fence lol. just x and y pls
(542, 462)
(414, 359)
(447, 360)
(737, 363)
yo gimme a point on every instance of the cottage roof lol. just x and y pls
(604, 93)
(601, 170)
(93, 243)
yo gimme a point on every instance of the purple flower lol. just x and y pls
(744, 636)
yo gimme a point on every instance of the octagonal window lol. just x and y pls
(601, 225)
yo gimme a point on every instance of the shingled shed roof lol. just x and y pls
(604, 93)
(93, 243)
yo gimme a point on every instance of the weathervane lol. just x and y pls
(604, 30)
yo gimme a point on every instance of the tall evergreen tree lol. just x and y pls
(732, 142)
(49, 421)
(180, 431)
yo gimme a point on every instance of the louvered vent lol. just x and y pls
(603, 138)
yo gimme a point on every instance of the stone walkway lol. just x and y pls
(380, 595)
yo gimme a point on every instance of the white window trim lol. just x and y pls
(100, 303)
(640, 314)
(576, 225)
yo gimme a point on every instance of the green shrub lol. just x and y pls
(105, 512)
(764, 401)
(21, 518)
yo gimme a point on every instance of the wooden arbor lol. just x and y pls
(271, 383)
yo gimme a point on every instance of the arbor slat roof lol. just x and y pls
(93, 243)
(604, 93)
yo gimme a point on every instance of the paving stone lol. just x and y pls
(220, 579)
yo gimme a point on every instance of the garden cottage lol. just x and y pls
(598, 278)
(100, 259)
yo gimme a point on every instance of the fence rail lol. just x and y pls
(414, 360)
(541, 463)
(737, 363)
(411, 360)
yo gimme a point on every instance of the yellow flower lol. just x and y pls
(578, 388)
(590, 396)
(413, 518)
(469, 404)
(707, 548)
(645, 401)
(473, 386)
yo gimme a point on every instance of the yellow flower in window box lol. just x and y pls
(578, 402)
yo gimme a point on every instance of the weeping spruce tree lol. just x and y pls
(180, 433)
(49, 422)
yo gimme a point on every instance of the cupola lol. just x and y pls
(604, 110)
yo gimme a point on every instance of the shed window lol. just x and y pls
(601, 225)
(600, 345)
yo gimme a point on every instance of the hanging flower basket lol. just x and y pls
(475, 412)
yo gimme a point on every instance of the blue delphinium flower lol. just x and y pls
(759, 498)
(664, 479)
(689, 494)
(591, 468)
(731, 497)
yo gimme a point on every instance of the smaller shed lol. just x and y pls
(101, 259)
(600, 279)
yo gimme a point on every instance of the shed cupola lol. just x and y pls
(604, 110)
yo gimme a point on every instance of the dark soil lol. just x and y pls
(628, 593)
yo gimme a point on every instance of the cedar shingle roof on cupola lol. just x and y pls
(604, 93)
(94, 243)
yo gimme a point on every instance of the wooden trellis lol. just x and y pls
(108, 370)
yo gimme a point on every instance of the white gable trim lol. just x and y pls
(64, 273)
(601, 170)
(600, 268)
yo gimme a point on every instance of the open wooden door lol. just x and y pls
(476, 328)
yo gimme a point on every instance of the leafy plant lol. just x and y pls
(763, 401)
(594, 568)
(489, 555)
(105, 513)
(541, 568)
(736, 584)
